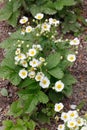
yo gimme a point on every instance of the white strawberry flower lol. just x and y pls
(19, 57)
(65, 116)
(53, 21)
(71, 57)
(84, 128)
(39, 76)
(31, 74)
(42, 59)
(61, 127)
(39, 16)
(32, 52)
(45, 82)
(59, 86)
(39, 47)
(24, 63)
(18, 51)
(34, 63)
(80, 121)
(23, 73)
(23, 20)
(73, 114)
(71, 123)
(58, 107)
(75, 41)
(45, 27)
(29, 29)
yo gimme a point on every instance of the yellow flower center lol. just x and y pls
(32, 52)
(34, 62)
(59, 107)
(39, 77)
(72, 114)
(59, 86)
(45, 26)
(23, 73)
(24, 62)
(19, 56)
(29, 29)
(72, 124)
(71, 58)
(79, 122)
(75, 41)
(54, 20)
(60, 127)
(44, 82)
(65, 116)
(39, 17)
(23, 20)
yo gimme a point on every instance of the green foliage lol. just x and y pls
(33, 100)
(20, 124)
(56, 72)
(10, 12)
(55, 97)
(53, 60)
(37, 95)
(16, 109)
(60, 8)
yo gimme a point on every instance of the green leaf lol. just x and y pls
(56, 72)
(59, 4)
(32, 89)
(9, 9)
(8, 43)
(68, 2)
(30, 103)
(15, 5)
(4, 92)
(67, 91)
(14, 78)
(42, 97)
(31, 100)
(26, 82)
(4, 72)
(34, 9)
(14, 18)
(43, 118)
(55, 97)
(16, 109)
(68, 79)
(8, 124)
(53, 60)
(5, 13)
(8, 63)
(31, 125)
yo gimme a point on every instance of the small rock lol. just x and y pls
(2, 128)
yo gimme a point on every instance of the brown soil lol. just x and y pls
(79, 70)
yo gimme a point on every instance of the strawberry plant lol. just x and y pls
(37, 62)
(66, 11)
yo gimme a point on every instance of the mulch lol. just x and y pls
(79, 70)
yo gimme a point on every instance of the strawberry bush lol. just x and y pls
(37, 60)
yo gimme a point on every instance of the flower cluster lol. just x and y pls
(31, 61)
(41, 27)
(72, 121)
(32, 65)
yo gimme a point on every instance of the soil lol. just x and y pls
(79, 70)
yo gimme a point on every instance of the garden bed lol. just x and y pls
(79, 70)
